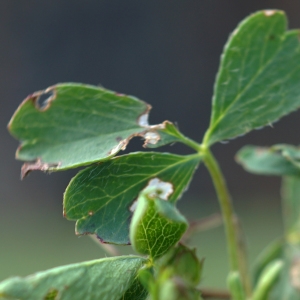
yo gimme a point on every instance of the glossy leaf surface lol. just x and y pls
(277, 160)
(156, 225)
(258, 78)
(106, 279)
(101, 198)
(79, 124)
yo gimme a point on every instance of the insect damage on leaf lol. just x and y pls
(78, 125)
(269, 12)
(163, 191)
(36, 166)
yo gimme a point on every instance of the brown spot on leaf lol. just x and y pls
(119, 139)
(38, 165)
(91, 213)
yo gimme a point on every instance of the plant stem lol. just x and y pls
(236, 255)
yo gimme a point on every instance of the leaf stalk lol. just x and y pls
(237, 257)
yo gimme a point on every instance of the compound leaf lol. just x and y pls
(102, 197)
(156, 224)
(277, 160)
(258, 79)
(77, 125)
(108, 278)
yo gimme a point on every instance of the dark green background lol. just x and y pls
(166, 53)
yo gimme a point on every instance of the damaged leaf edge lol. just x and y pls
(150, 135)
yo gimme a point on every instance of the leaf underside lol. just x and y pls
(106, 279)
(258, 79)
(101, 196)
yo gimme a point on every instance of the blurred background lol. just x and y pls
(164, 52)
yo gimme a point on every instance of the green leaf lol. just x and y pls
(107, 278)
(235, 286)
(101, 198)
(136, 291)
(274, 251)
(267, 280)
(156, 225)
(277, 160)
(169, 134)
(184, 263)
(258, 79)
(166, 286)
(78, 124)
(288, 285)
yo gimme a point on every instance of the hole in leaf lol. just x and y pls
(44, 99)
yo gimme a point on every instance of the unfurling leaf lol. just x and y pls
(156, 225)
(235, 286)
(102, 197)
(105, 279)
(258, 79)
(78, 125)
(274, 251)
(267, 280)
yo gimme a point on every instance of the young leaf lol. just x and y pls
(77, 125)
(156, 225)
(102, 197)
(166, 286)
(235, 286)
(274, 251)
(288, 285)
(267, 280)
(277, 160)
(184, 263)
(108, 278)
(258, 79)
